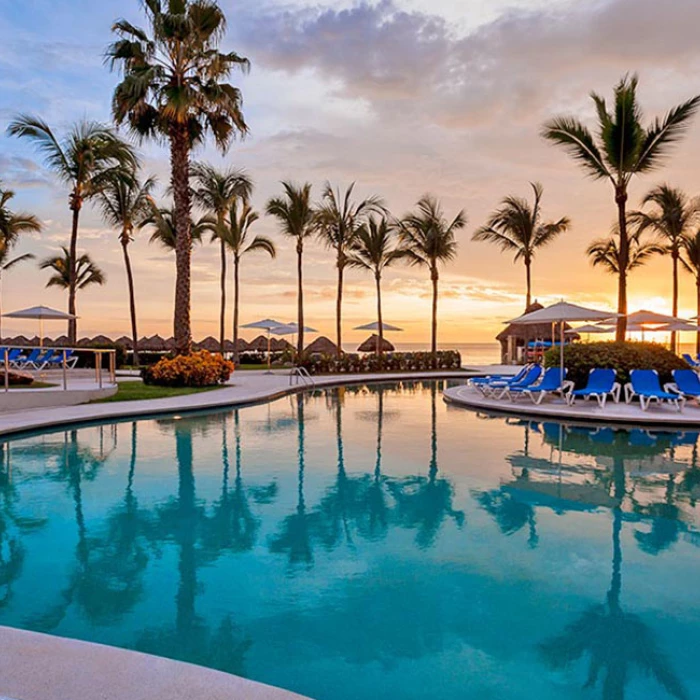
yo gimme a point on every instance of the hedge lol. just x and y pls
(580, 358)
(352, 363)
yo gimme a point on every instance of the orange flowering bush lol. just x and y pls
(201, 368)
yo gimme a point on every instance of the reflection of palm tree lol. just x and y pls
(510, 514)
(614, 640)
(423, 503)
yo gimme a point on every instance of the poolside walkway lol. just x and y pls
(43, 667)
(243, 388)
(581, 411)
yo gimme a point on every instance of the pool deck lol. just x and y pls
(37, 666)
(244, 388)
(581, 412)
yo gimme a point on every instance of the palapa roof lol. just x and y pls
(125, 342)
(242, 345)
(155, 343)
(279, 344)
(532, 331)
(322, 346)
(259, 344)
(210, 343)
(83, 342)
(101, 340)
(372, 344)
(18, 340)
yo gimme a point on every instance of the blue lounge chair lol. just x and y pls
(481, 382)
(30, 360)
(553, 382)
(601, 384)
(645, 384)
(532, 376)
(14, 355)
(689, 359)
(686, 384)
(57, 359)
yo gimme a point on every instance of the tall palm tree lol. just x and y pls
(429, 241)
(690, 259)
(376, 248)
(624, 148)
(518, 227)
(237, 238)
(295, 216)
(215, 192)
(672, 219)
(606, 252)
(126, 204)
(339, 219)
(84, 159)
(12, 226)
(87, 272)
(174, 88)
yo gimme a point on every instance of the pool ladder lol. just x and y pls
(301, 374)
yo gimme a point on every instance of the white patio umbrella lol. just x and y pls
(560, 313)
(589, 328)
(644, 317)
(266, 324)
(41, 313)
(291, 329)
(375, 327)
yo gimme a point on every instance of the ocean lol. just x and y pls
(472, 353)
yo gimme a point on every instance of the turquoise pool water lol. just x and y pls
(366, 543)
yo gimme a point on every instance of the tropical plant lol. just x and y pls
(126, 204)
(606, 252)
(296, 218)
(338, 220)
(12, 226)
(429, 241)
(690, 260)
(672, 219)
(624, 148)
(85, 160)
(237, 238)
(518, 227)
(87, 273)
(376, 248)
(215, 192)
(174, 89)
(200, 368)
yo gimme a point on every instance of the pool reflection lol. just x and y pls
(355, 524)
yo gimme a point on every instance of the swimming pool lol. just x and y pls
(366, 542)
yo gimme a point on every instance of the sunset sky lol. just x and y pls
(403, 96)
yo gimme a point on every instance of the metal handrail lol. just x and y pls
(303, 374)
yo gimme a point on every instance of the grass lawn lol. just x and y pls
(137, 391)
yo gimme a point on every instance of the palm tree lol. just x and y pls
(624, 148)
(215, 192)
(173, 88)
(85, 160)
(12, 225)
(672, 220)
(338, 220)
(235, 236)
(606, 252)
(518, 227)
(87, 272)
(126, 204)
(295, 216)
(690, 259)
(375, 249)
(429, 241)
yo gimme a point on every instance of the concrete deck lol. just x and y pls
(580, 412)
(42, 667)
(243, 388)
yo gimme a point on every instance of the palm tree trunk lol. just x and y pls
(433, 343)
(222, 313)
(180, 175)
(132, 297)
(621, 200)
(674, 335)
(528, 284)
(300, 299)
(72, 272)
(236, 292)
(339, 310)
(378, 280)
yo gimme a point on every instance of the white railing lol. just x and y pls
(301, 374)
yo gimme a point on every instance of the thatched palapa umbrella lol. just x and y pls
(376, 344)
(322, 346)
(210, 344)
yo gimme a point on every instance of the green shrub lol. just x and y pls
(580, 358)
(352, 363)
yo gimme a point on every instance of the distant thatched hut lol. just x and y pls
(322, 346)
(126, 342)
(373, 344)
(514, 338)
(210, 344)
(259, 344)
(279, 345)
(101, 340)
(242, 345)
(153, 344)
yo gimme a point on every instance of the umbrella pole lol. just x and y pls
(268, 351)
(561, 351)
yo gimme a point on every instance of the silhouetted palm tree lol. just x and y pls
(85, 159)
(216, 192)
(430, 241)
(624, 148)
(173, 88)
(296, 218)
(517, 227)
(690, 259)
(339, 219)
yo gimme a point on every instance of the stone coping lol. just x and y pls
(581, 412)
(37, 666)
